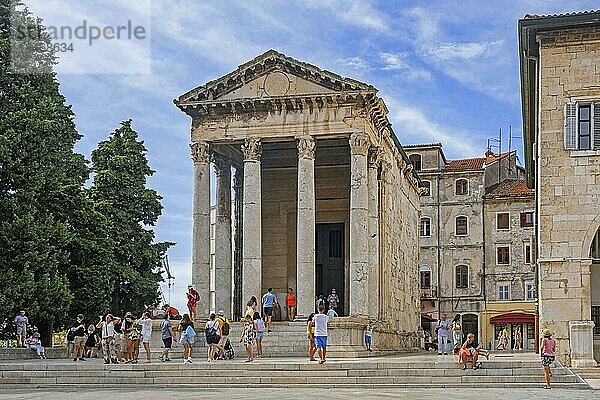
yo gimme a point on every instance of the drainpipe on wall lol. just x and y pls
(439, 228)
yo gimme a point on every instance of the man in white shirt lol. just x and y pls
(108, 338)
(320, 321)
(443, 327)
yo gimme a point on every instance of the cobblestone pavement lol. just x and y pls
(299, 393)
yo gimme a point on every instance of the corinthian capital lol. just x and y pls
(374, 157)
(252, 149)
(306, 147)
(359, 143)
(200, 152)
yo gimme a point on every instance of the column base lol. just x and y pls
(584, 363)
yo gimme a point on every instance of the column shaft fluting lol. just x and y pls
(223, 262)
(201, 227)
(305, 236)
(374, 269)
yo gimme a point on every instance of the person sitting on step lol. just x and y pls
(470, 352)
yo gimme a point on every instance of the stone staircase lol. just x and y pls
(590, 375)
(422, 370)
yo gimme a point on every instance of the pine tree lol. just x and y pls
(120, 194)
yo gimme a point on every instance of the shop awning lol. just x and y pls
(513, 318)
(425, 317)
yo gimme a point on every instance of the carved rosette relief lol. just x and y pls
(306, 147)
(200, 152)
(252, 149)
(359, 144)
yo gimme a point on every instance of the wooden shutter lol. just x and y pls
(596, 126)
(570, 126)
(523, 220)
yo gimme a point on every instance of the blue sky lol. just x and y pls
(448, 71)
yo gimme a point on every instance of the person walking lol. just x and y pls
(193, 297)
(35, 343)
(457, 334)
(146, 323)
(443, 326)
(501, 340)
(259, 327)
(225, 328)
(518, 339)
(92, 342)
(251, 306)
(21, 321)
(320, 320)
(369, 335)
(120, 341)
(319, 302)
(290, 303)
(166, 333)
(132, 334)
(248, 336)
(78, 329)
(212, 332)
(107, 324)
(268, 302)
(333, 299)
(310, 334)
(188, 337)
(547, 354)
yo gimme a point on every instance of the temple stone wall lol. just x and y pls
(569, 183)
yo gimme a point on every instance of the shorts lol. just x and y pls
(269, 311)
(146, 337)
(168, 342)
(259, 335)
(21, 331)
(321, 342)
(213, 339)
(80, 341)
(368, 339)
(547, 360)
(187, 340)
(119, 339)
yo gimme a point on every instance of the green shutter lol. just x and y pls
(570, 126)
(596, 125)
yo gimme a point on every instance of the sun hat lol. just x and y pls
(547, 332)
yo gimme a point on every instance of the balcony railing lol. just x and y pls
(430, 293)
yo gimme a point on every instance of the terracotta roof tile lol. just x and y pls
(466, 164)
(509, 188)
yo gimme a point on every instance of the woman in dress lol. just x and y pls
(192, 299)
(259, 326)
(248, 335)
(188, 337)
(518, 339)
(132, 334)
(457, 334)
(501, 340)
(310, 333)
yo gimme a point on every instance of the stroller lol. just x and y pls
(229, 353)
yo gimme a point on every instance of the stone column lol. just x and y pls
(581, 340)
(201, 227)
(223, 262)
(252, 229)
(305, 236)
(359, 227)
(373, 271)
(238, 301)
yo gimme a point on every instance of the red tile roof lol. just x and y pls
(471, 164)
(509, 188)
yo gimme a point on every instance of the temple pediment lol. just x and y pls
(273, 74)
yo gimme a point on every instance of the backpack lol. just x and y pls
(197, 296)
(190, 332)
(210, 332)
(70, 336)
(226, 326)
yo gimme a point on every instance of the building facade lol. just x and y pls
(458, 268)
(560, 94)
(324, 197)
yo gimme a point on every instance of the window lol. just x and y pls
(527, 219)
(503, 293)
(415, 160)
(461, 225)
(425, 229)
(582, 126)
(425, 275)
(527, 252)
(503, 255)
(462, 276)
(595, 248)
(529, 291)
(502, 221)
(461, 187)
(596, 319)
(426, 191)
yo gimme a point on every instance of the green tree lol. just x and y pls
(41, 178)
(120, 194)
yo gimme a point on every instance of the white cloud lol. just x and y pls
(464, 51)
(400, 62)
(355, 63)
(355, 12)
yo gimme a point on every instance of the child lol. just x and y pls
(547, 353)
(248, 335)
(92, 341)
(369, 335)
(332, 313)
(35, 343)
(259, 326)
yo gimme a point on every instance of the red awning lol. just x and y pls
(427, 318)
(513, 318)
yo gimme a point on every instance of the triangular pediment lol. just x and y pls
(273, 74)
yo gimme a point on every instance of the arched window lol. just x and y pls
(426, 185)
(461, 226)
(425, 275)
(425, 228)
(461, 187)
(462, 277)
(415, 160)
(595, 248)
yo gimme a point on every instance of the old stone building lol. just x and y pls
(457, 263)
(560, 90)
(324, 197)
